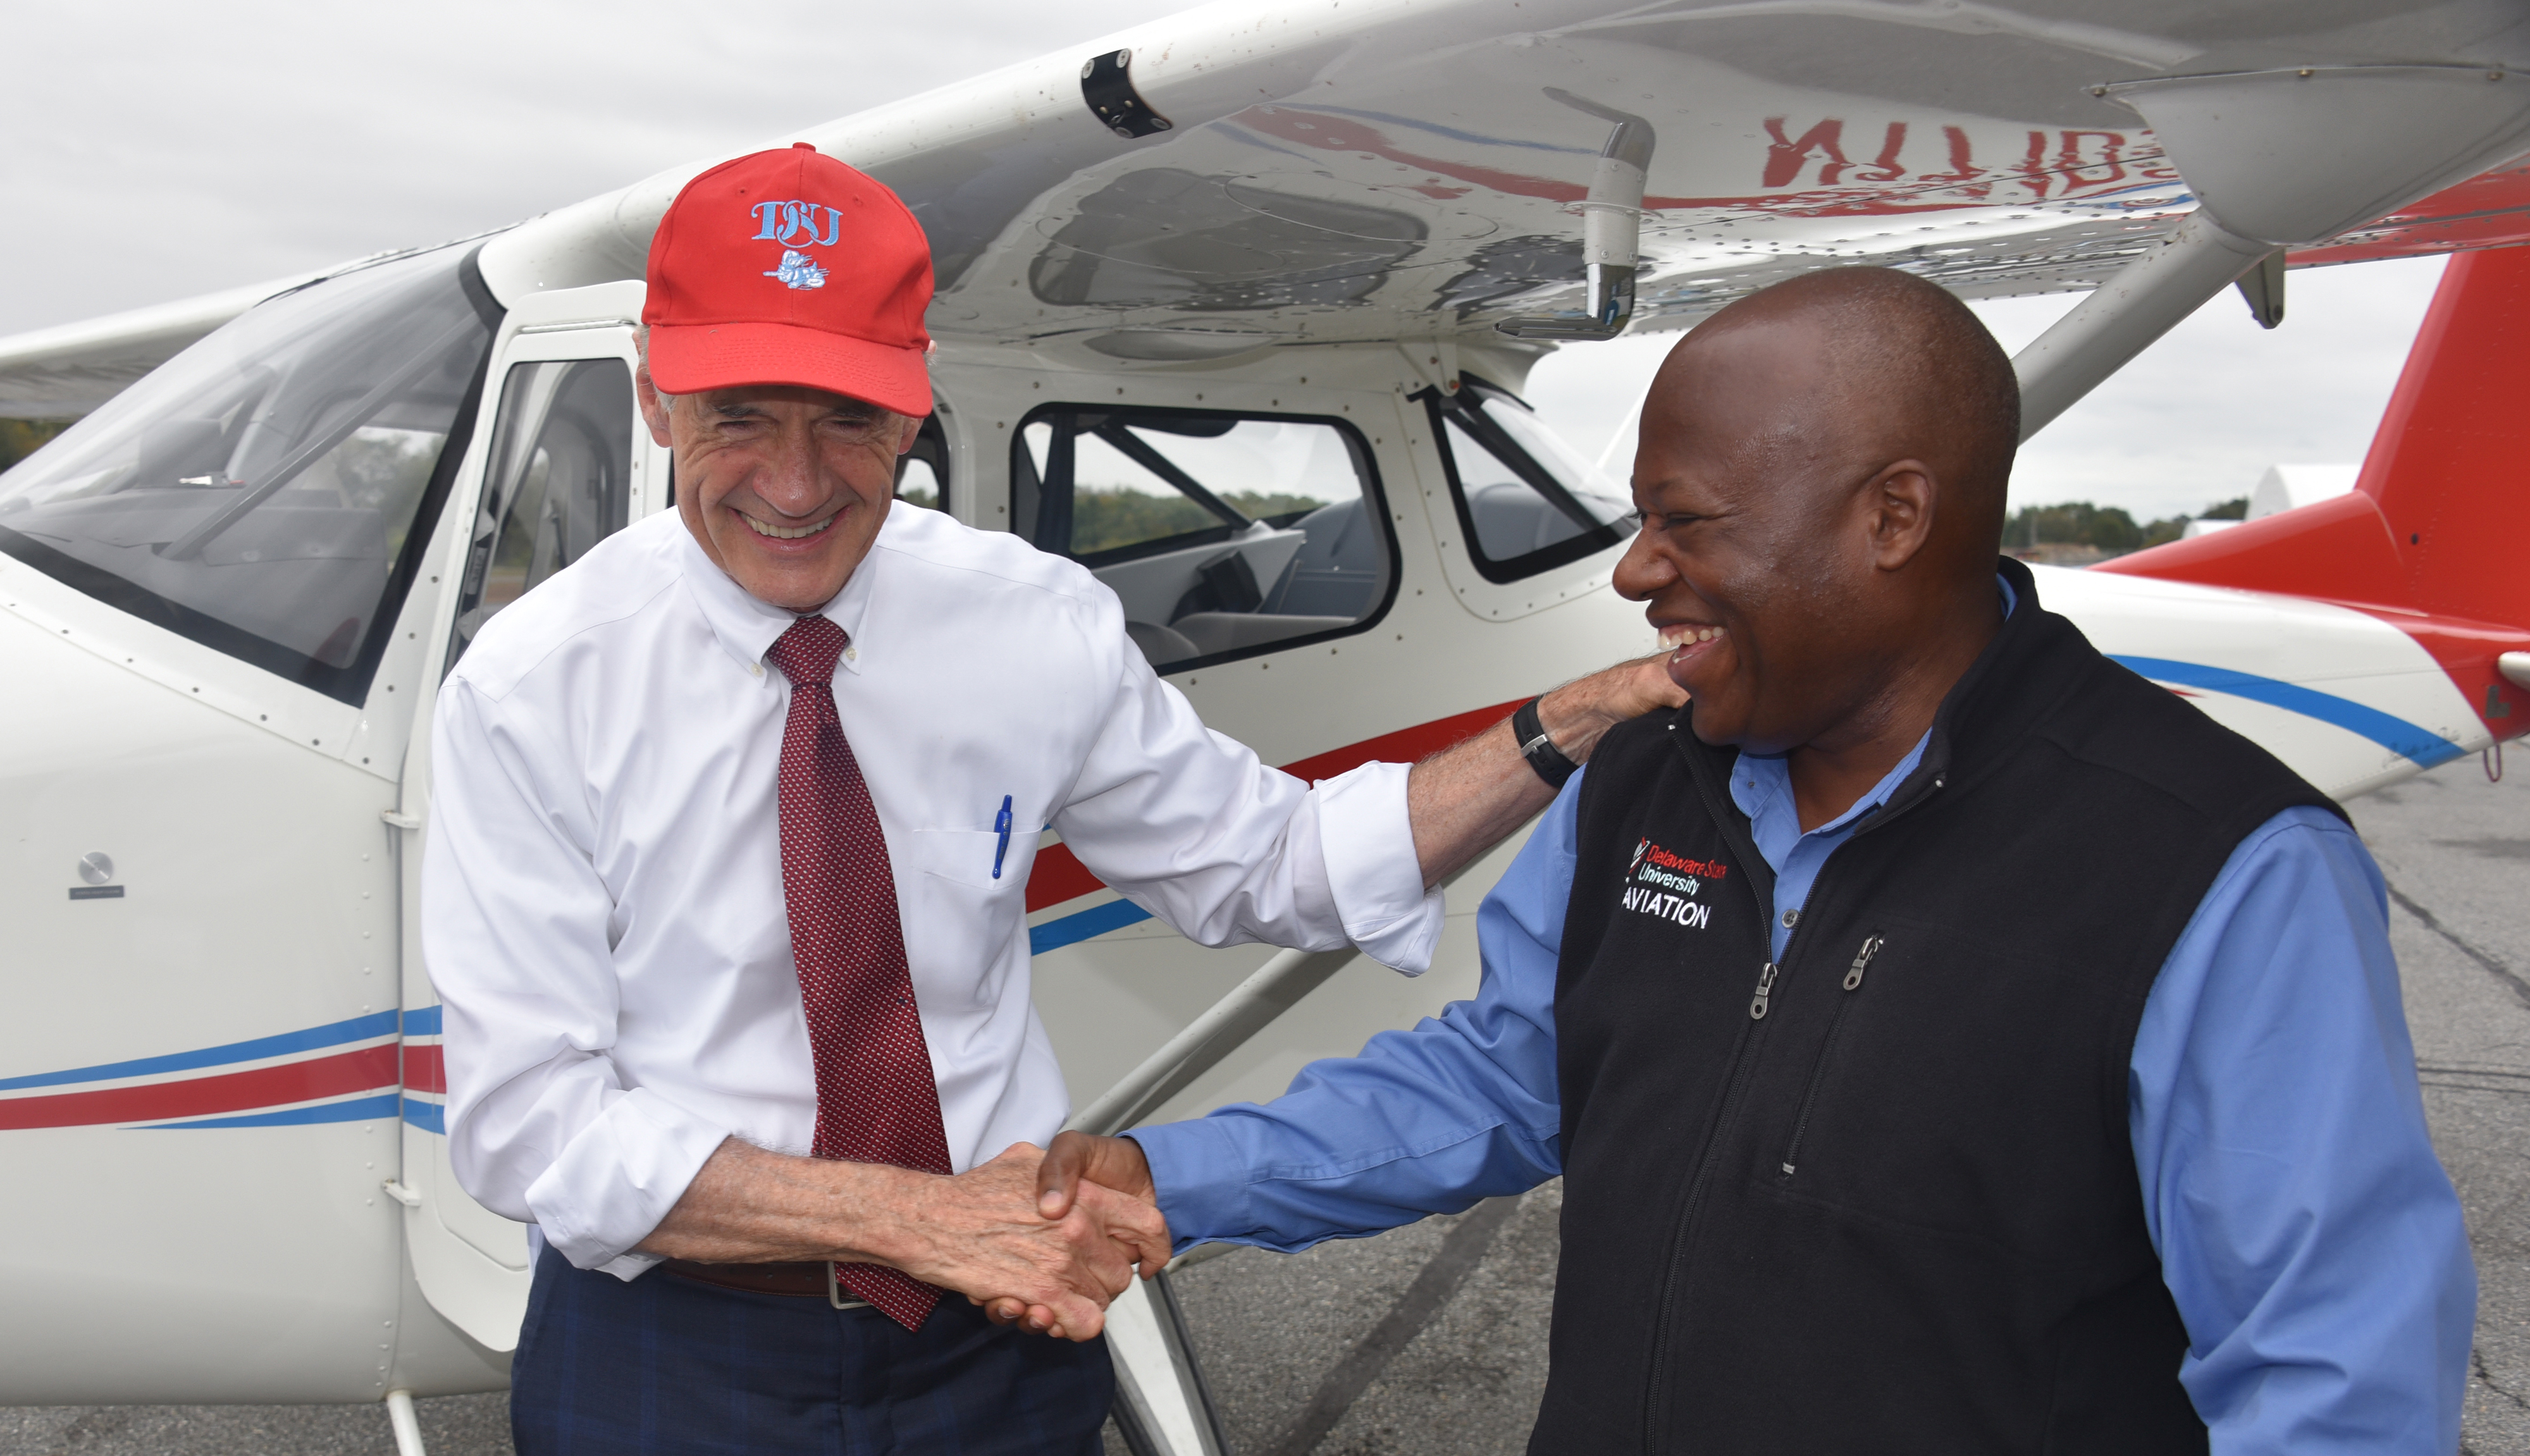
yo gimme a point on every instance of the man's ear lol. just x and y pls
(910, 431)
(1899, 503)
(655, 405)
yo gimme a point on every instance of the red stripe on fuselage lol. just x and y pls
(1059, 874)
(426, 1067)
(365, 1070)
(1057, 877)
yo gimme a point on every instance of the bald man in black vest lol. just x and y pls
(1949, 1041)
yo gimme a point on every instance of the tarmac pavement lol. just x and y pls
(2456, 850)
(1432, 1338)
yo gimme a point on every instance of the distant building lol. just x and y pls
(2063, 553)
(2284, 486)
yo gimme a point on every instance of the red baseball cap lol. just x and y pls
(789, 267)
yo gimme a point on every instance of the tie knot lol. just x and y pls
(807, 652)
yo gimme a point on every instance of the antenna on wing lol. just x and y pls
(1611, 218)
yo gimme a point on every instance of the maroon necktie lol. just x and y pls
(876, 1102)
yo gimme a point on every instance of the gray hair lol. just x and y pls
(641, 352)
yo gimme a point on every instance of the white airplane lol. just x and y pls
(1235, 308)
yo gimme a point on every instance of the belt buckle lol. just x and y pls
(834, 1292)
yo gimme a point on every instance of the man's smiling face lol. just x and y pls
(784, 487)
(1820, 477)
(1755, 558)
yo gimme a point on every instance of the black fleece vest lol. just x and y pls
(1880, 1198)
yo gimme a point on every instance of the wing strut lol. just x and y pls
(2287, 155)
(2126, 313)
(1272, 989)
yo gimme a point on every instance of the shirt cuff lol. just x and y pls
(1367, 840)
(618, 1177)
(1199, 1180)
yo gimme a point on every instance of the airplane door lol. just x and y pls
(568, 464)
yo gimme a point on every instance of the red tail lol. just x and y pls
(2432, 540)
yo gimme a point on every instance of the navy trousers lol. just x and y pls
(667, 1367)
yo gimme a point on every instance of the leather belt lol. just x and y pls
(801, 1281)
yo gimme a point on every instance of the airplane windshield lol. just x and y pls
(267, 492)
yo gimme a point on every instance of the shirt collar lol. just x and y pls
(1762, 787)
(746, 627)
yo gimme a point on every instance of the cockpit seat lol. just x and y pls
(1232, 632)
(1161, 645)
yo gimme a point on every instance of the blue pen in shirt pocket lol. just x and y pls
(1002, 827)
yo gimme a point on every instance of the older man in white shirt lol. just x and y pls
(723, 900)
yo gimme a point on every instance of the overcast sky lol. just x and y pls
(151, 151)
(155, 150)
(2195, 419)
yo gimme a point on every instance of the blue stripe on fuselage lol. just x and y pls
(430, 1117)
(1098, 919)
(2426, 746)
(335, 1034)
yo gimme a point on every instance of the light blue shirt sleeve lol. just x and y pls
(2307, 1231)
(1463, 1108)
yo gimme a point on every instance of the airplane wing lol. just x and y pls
(1233, 178)
(1215, 182)
(61, 374)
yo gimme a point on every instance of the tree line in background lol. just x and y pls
(1105, 517)
(20, 438)
(2107, 530)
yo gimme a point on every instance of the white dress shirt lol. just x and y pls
(602, 904)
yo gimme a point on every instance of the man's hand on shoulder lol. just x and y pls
(1576, 714)
(1464, 800)
(1080, 1174)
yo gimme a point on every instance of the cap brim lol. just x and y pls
(688, 359)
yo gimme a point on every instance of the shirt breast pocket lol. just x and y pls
(959, 918)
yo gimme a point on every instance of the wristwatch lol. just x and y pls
(1538, 748)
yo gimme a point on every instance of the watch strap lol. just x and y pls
(1538, 748)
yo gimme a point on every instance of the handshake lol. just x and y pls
(1044, 1241)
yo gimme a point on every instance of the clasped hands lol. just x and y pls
(1044, 1241)
(1106, 1183)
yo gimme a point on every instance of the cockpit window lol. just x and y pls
(269, 490)
(1526, 500)
(1223, 535)
(559, 481)
(922, 473)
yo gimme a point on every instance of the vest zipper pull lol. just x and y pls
(1765, 988)
(1861, 962)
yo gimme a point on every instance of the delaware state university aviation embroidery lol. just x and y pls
(1660, 883)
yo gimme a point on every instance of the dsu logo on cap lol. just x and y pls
(848, 322)
(794, 224)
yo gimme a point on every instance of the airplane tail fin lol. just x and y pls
(2434, 536)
